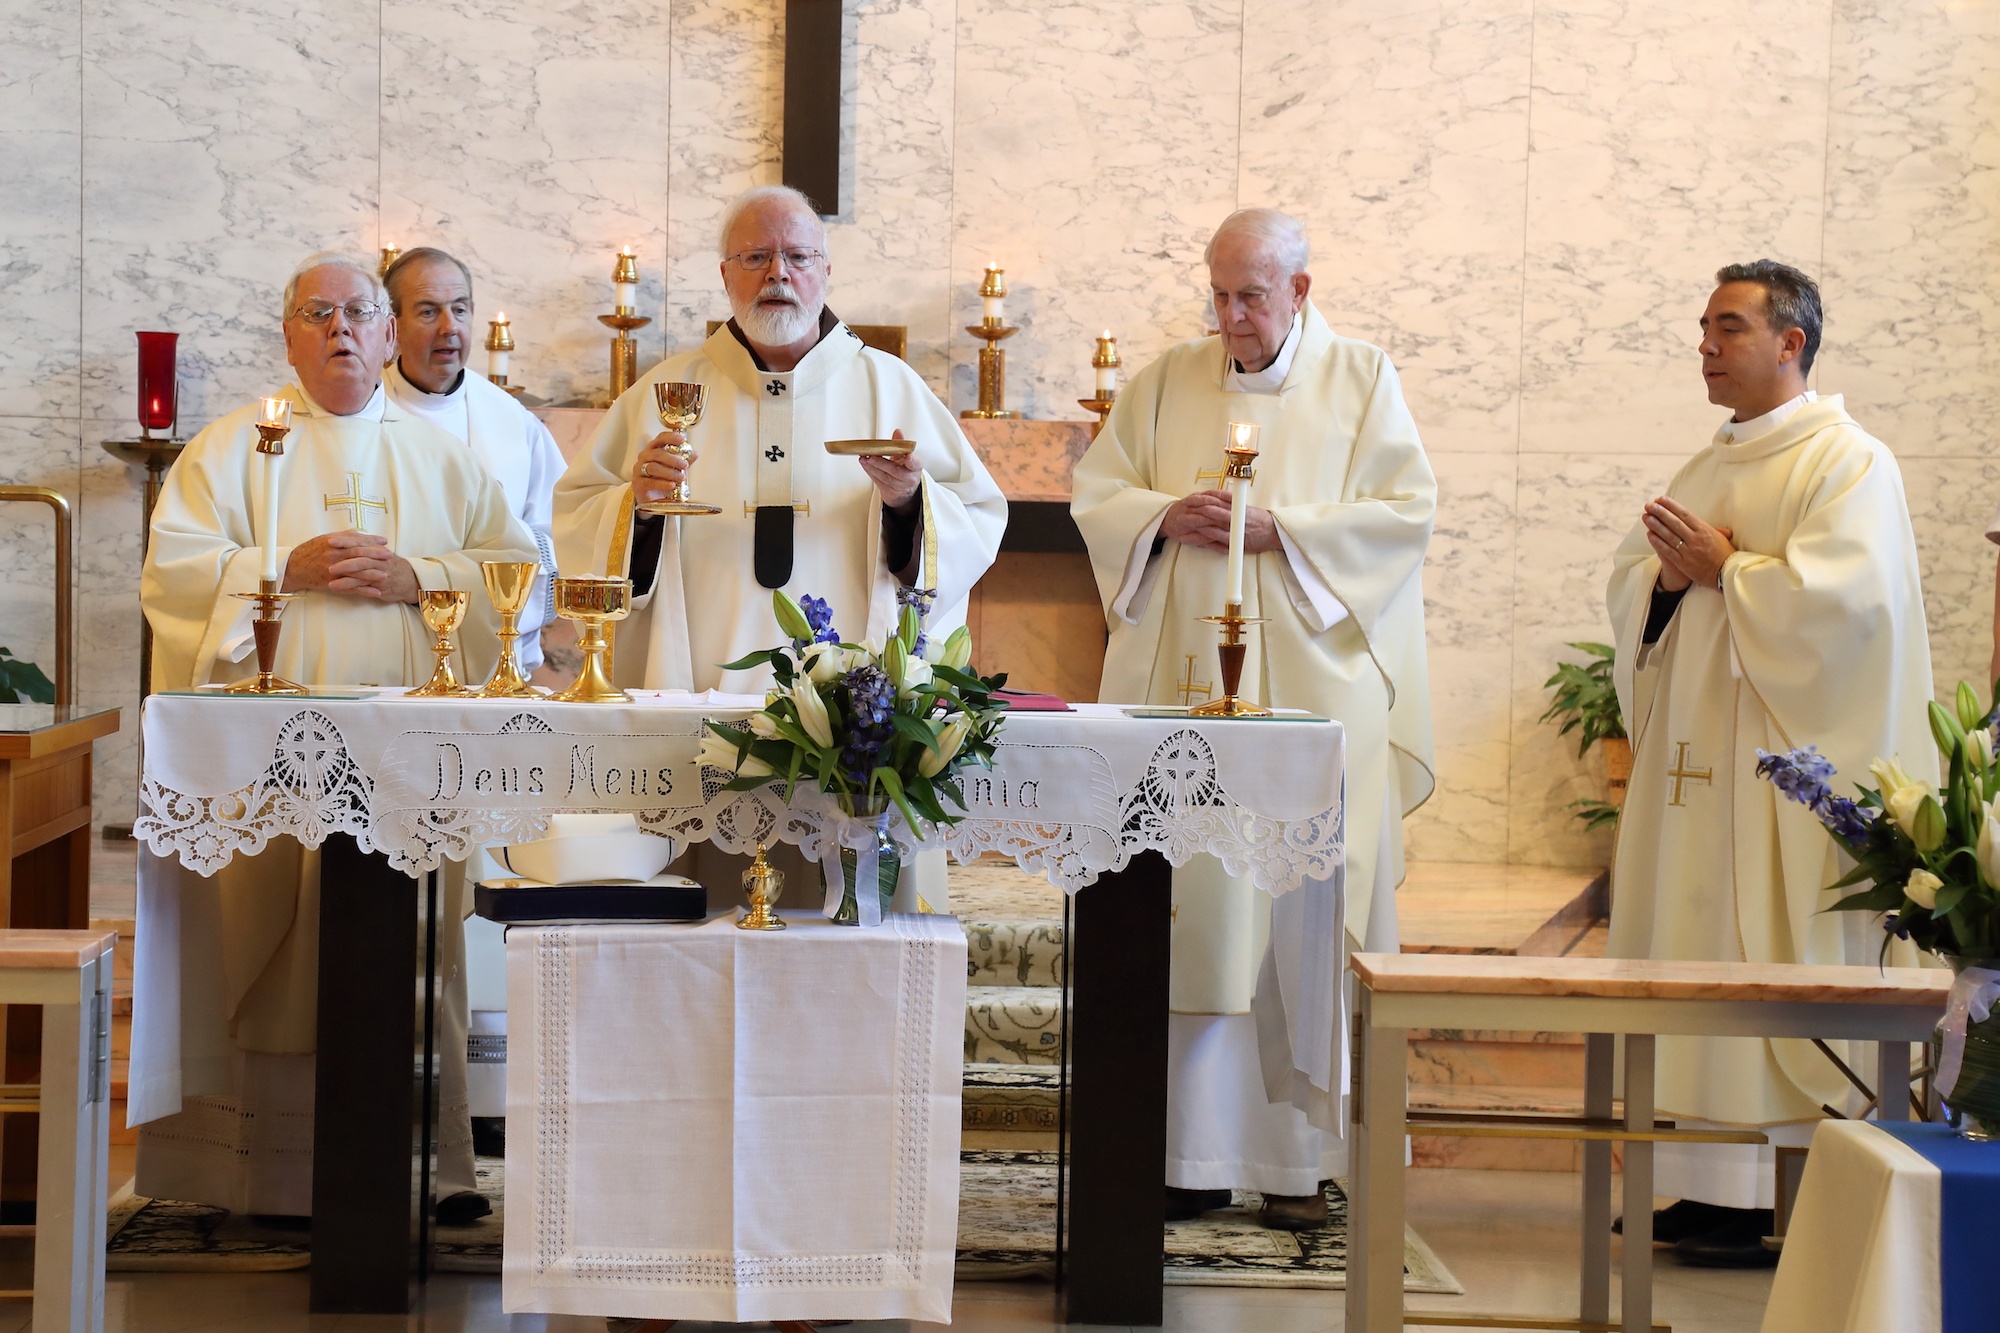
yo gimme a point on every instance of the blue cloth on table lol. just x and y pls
(1968, 1222)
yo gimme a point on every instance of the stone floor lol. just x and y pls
(1509, 1236)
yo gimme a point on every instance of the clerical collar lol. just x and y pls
(1272, 377)
(827, 319)
(371, 412)
(1733, 432)
(456, 384)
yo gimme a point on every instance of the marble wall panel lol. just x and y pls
(1912, 266)
(1667, 141)
(1573, 511)
(1951, 502)
(109, 556)
(725, 95)
(224, 143)
(1469, 616)
(1404, 148)
(528, 139)
(1096, 149)
(41, 128)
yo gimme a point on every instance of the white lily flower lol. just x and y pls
(753, 767)
(1989, 844)
(1979, 749)
(718, 753)
(958, 649)
(916, 675)
(1922, 888)
(812, 713)
(951, 739)
(764, 727)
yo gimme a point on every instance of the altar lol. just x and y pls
(394, 787)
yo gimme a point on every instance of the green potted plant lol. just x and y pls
(1586, 702)
(23, 682)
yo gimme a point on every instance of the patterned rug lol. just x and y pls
(1006, 1231)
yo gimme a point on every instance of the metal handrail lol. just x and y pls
(65, 628)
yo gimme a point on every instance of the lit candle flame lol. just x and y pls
(274, 412)
(500, 317)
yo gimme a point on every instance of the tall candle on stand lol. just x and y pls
(499, 346)
(1242, 435)
(625, 281)
(274, 422)
(1105, 363)
(993, 295)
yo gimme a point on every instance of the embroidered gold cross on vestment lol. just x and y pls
(354, 502)
(1682, 774)
(1189, 686)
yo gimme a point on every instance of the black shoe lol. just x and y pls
(489, 1136)
(1186, 1205)
(462, 1209)
(1677, 1221)
(1284, 1212)
(1738, 1243)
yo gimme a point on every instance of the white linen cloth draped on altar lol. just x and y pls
(426, 780)
(797, 1096)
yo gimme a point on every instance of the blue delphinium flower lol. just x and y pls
(1802, 774)
(921, 599)
(1848, 820)
(819, 614)
(871, 699)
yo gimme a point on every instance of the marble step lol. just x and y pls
(1013, 952)
(1455, 1057)
(1010, 1097)
(1013, 1025)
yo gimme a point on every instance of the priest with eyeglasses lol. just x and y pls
(374, 506)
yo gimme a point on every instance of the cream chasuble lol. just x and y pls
(235, 1128)
(1344, 474)
(517, 451)
(761, 441)
(1816, 637)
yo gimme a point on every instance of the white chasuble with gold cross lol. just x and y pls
(1817, 637)
(380, 471)
(762, 445)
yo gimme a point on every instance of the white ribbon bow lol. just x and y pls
(1973, 992)
(860, 833)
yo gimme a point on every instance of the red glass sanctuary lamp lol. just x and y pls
(159, 395)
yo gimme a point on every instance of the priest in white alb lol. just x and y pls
(1769, 599)
(784, 376)
(1340, 516)
(430, 293)
(374, 506)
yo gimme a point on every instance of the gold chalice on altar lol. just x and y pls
(443, 610)
(593, 601)
(509, 583)
(270, 604)
(679, 405)
(762, 885)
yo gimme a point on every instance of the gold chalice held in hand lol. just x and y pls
(509, 583)
(762, 885)
(592, 601)
(443, 610)
(679, 405)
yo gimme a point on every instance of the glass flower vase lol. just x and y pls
(888, 869)
(1973, 1108)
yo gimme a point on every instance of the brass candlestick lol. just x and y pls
(992, 361)
(1102, 405)
(390, 254)
(1104, 363)
(762, 885)
(679, 405)
(443, 609)
(509, 584)
(499, 347)
(1231, 650)
(592, 602)
(624, 317)
(270, 605)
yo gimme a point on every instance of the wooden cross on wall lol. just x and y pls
(813, 74)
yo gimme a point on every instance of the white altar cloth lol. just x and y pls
(1071, 795)
(712, 1123)
(1862, 1246)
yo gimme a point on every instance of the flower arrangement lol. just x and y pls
(1930, 863)
(874, 726)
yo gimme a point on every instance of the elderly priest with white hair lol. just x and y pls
(1340, 516)
(374, 506)
(784, 376)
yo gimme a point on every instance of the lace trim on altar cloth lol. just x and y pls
(555, 1254)
(313, 787)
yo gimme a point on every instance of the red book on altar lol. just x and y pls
(1027, 701)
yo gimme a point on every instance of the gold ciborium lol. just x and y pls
(679, 405)
(270, 605)
(509, 583)
(443, 609)
(762, 885)
(593, 601)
